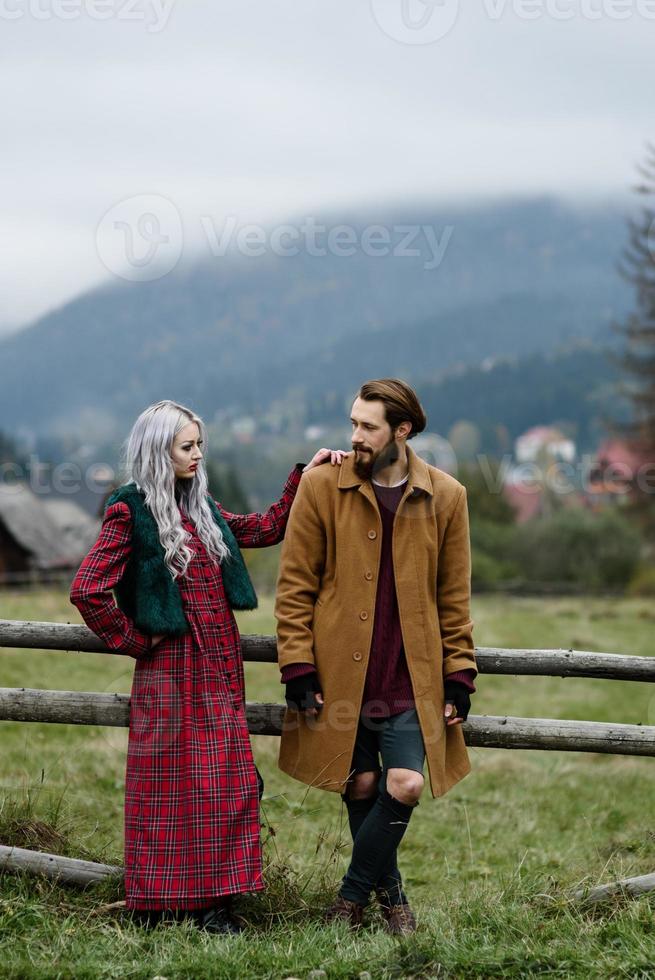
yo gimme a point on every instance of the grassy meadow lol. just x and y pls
(490, 868)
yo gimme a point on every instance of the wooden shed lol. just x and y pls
(40, 536)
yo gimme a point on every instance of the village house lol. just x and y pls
(40, 536)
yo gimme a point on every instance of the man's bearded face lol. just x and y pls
(368, 462)
(373, 440)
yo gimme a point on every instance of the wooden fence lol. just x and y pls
(482, 731)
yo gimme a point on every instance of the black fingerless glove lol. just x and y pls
(459, 695)
(301, 692)
(260, 783)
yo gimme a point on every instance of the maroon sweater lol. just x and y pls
(388, 686)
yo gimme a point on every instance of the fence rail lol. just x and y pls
(262, 649)
(74, 871)
(484, 731)
(480, 731)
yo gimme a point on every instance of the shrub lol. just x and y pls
(491, 551)
(642, 582)
(595, 550)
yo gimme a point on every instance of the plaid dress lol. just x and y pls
(192, 830)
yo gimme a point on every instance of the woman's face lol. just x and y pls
(186, 452)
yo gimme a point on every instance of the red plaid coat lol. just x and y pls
(192, 830)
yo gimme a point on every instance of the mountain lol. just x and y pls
(235, 333)
(576, 390)
(435, 349)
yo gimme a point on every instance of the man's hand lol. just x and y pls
(334, 455)
(304, 694)
(458, 703)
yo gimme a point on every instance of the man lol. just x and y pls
(375, 639)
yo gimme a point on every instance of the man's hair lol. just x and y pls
(400, 402)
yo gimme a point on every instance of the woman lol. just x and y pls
(171, 554)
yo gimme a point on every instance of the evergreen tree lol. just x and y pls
(637, 358)
(224, 486)
(638, 330)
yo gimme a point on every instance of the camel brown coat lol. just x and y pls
(326, 602)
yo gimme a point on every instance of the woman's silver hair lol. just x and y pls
(148, 463)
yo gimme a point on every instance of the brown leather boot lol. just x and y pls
(399, 920)
(345, 911)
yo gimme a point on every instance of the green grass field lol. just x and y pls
(490, 867)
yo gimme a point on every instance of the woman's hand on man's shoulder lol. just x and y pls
(335, 457)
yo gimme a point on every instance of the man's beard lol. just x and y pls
(367, 463)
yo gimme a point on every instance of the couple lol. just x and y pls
(374, 640)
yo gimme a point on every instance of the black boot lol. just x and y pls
(217, 919)
(146, 918)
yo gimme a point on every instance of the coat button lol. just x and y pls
(372, 535)
(368, 576)
(357, 655)
(363, 615)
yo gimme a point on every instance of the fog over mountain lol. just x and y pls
(233, 333)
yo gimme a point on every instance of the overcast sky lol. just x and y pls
(269, 109)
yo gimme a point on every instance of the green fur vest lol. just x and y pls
(147, 593)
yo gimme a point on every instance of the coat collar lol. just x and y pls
(418, 477)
